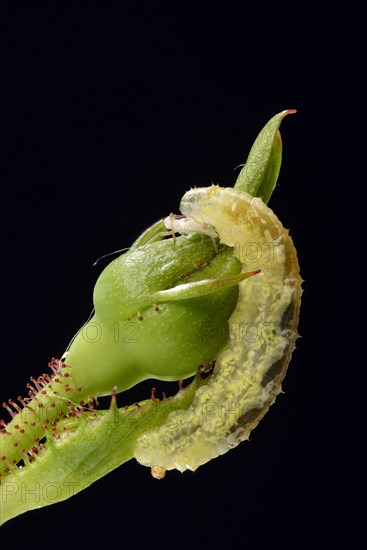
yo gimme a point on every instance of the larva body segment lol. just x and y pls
(263, 329)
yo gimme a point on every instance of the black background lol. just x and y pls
(108, 114)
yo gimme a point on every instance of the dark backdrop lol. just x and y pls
(108, 114)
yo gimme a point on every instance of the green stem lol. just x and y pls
(84, 449)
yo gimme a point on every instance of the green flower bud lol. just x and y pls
(154, 315)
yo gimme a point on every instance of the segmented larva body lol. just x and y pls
(263, 329)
